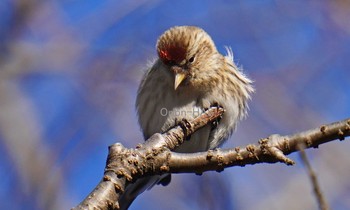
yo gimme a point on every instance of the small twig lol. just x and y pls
(322, 203)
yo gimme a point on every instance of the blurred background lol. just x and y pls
(69, 72)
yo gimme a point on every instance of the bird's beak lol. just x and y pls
(179, 77)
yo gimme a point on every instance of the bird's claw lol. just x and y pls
(215, 123)
(184, 124)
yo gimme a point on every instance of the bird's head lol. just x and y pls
(186, 51)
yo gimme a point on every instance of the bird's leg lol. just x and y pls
(215, 123)
(184, 124)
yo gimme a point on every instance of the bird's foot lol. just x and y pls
(216, 122)
(184, 124)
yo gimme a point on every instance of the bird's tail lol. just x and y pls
(138, 187)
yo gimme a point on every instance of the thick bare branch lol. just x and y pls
(126, 165)
(155, 157)
(269, 150)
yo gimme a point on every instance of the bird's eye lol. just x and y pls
(191, 59)
(171, 62)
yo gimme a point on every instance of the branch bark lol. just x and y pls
(153, 157)
(268, 150)
(126, 165)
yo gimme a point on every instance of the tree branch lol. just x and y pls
(269, 150)
(126, 165)
(153, 157)
(322, 204)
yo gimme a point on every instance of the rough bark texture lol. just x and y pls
(155, 157)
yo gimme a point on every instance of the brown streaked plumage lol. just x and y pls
(189, 76)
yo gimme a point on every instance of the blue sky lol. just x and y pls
(71, 69)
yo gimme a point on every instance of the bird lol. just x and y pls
(189, 76)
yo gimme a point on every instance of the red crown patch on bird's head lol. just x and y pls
(170, 54)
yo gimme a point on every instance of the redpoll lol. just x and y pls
(189, 76)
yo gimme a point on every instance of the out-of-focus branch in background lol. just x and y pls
(69, 73)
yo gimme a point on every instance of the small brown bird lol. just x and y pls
(189, 76)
